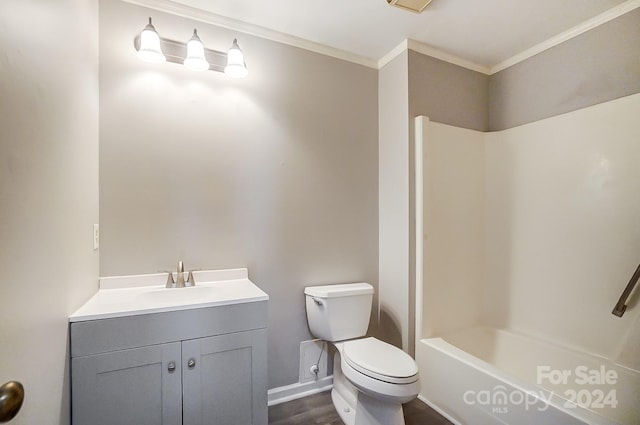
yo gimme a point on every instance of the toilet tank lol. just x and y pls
(339, 312)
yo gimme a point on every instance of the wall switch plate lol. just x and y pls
(96, 236)
(314, 352)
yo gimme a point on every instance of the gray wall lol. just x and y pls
(600, 65)
(48, 192)
(447, 93)
(276, 172)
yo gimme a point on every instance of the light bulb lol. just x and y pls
(235, 62)
(195, 54)
(150, 50)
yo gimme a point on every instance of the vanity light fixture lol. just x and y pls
(235, 62)
(150, 50)
(194, 55)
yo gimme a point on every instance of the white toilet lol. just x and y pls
(371, 379)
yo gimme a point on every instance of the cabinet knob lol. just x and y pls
(171, 367)
(191, 363)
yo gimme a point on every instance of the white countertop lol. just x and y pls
(144, 294)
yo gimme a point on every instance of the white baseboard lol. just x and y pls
(299, 390)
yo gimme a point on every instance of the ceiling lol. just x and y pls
(484, 32)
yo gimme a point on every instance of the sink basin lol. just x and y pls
(145, 294)
(188, 294)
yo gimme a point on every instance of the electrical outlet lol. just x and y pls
(313, 353)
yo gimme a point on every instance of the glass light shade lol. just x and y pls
(150, 50)
(235, 62)
(195, 54)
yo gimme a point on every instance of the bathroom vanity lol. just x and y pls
(154, 355)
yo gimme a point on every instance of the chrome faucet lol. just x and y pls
(170, 282)
(180, 282)
(191, 280)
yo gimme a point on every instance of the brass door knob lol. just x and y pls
(11, 398)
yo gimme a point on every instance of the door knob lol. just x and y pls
(11, 398)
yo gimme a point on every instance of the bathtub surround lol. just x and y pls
(603, 64)
(544, 225)
(534, 229)
(562, 225)
(48, 192)
(276, 172)
(452, 188)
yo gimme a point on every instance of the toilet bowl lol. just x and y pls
(371, 379)
(379, 369)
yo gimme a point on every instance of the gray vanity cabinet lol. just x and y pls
(222, 390)
(205, 366)
(128, 387)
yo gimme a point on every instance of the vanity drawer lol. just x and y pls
(120, 333)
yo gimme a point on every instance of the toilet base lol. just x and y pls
(346, 412)
(368, 411)
(357, 408)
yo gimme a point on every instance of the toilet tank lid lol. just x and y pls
(340, 290)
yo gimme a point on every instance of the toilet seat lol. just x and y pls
(379, 360)
(378, 386)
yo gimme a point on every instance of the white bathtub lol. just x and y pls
(483, 376)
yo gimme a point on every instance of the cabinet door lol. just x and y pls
(130, 387)
(227, 385)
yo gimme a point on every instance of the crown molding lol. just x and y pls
(184, 11)
(585, 26)
(590, 24)
(425, 49)
(395, 52)
(178, 9)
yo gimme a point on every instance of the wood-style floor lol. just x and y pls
(318, 410)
